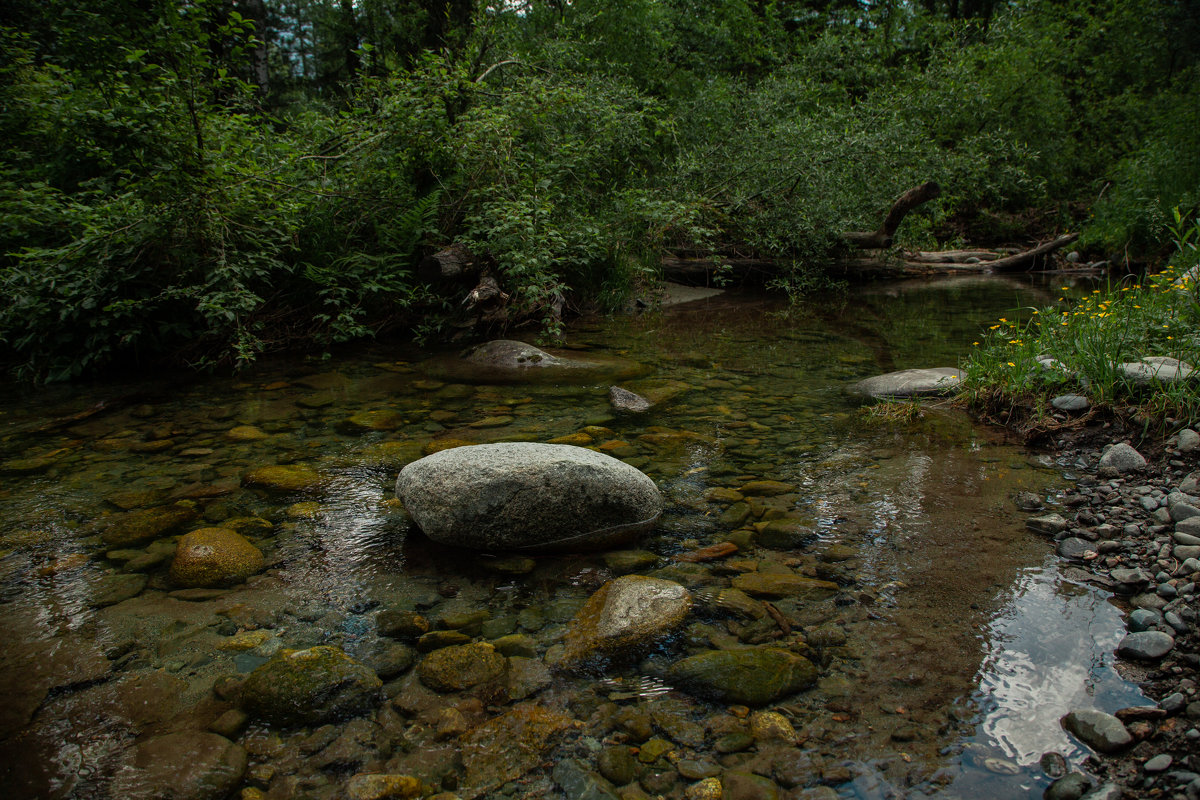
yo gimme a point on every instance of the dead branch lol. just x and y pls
(882, 238)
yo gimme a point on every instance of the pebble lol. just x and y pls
(1160, 763)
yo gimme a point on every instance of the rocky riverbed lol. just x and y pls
(1132, 526)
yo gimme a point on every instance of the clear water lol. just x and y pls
(962, 647)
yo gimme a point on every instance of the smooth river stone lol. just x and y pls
(1102, 732)
(623, 616)
(1145, 645)
(528, 496)
(910, 383)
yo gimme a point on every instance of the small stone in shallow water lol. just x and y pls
(382, 787)
(1075, 548)
(190, 765)
(298, 687)
(458, 667)
(214, 557)
(1102, 732)
(1072, 786)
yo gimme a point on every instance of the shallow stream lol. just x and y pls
(946, 656)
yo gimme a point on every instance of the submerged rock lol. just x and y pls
(528, 496)
(910, 383)
(303, 687)
(285, 478)
(624, 615)
(627, 401)
(505, 748)
(139, 527)
(504, 360)
(753, 677)
(191, 765)
(213, 557)
(458, 667)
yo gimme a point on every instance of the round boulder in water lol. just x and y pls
(528, 496)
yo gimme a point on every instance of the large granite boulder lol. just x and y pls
(623, 616)
(528, 496)
(910, 383)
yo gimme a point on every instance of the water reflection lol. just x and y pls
(913, 520)
(1049, 650)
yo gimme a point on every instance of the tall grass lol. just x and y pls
(1080, 345)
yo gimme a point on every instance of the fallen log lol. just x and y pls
(1026, 259)
(882, 238)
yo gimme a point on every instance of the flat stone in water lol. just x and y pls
(910, 383)
(191, 765)
(624, 615)
(1146, 645)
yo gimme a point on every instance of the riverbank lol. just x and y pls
(1131, 525)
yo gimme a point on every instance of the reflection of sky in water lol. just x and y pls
(1049, 650)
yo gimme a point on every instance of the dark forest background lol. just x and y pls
(201, 181)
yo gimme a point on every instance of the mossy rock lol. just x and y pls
(213, 557)
(285, 478)
(458, 667)
(506, 747)
(390, 455)
(752, 677)
(384, 419)
(138, 527)
(307, 687)
(771, 584)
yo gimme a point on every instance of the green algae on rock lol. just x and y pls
(304, 687)
(623, 615)
(753, 677)
(287, 478)
(214, 557)
(458, 667)
(505, 748)
(138, 527)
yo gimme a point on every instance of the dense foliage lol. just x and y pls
(202, 180)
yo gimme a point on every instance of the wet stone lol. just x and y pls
(297, 687)
(113, 589)
(214, 557)
(1146, 645)
(1075, 548)
(623, 562)
(751, 677)
(748, 786)
(1047, 525)
(458, 667)
(182, 766)
(577, 781)
(1072, 786)
(382, 787)
(1099, 731)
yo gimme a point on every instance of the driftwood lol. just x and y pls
(1026, 259)
(881, 239)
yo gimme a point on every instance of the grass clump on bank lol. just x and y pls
(1086, 346)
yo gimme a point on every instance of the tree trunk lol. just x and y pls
(881, 239)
